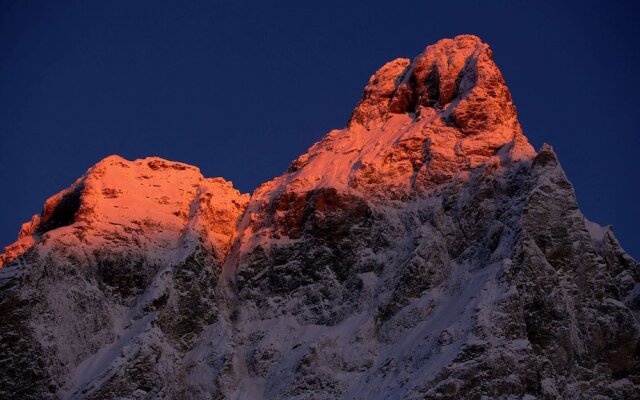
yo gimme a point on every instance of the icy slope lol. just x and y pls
(488, 286)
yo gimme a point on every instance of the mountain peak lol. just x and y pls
(418, 124)
(151, 202)
(454, 78)
(425, 251)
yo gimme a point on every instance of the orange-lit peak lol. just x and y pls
(418, 124)
(150, 203)
(442, 79)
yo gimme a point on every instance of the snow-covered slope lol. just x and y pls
(124, 261)
(424, 251)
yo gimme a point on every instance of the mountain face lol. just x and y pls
(424, 251)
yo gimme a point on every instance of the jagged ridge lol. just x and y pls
(424, 251)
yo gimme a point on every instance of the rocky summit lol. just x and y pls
(425, 251)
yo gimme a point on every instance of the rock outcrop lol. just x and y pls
(425, 251)
(127, 241)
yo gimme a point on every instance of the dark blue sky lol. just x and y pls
(240, 89)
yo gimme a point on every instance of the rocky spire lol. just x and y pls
(418, 124)
(455, 78)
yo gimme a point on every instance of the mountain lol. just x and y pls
(425, 251)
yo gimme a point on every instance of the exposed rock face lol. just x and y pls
(131, 250)
(454, 81)
(425, 251)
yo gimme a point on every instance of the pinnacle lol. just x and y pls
(456, 78)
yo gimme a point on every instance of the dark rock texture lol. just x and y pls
(426, 251)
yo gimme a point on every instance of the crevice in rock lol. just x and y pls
(62, 213)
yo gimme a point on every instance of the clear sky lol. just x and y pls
(241, 88)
